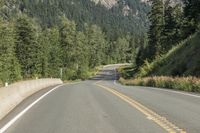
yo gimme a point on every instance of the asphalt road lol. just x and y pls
(101, 105)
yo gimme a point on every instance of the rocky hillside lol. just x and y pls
(107, 3)
(111, 3)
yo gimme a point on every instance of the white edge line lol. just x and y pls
(174, 91)
(11, 122)
(117, 83)
(164, 89)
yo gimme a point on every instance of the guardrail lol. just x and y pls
(13, 94)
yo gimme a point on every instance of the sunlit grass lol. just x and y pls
(157, 67)
(190, 84)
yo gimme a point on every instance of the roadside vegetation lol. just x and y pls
(170, 70)
(171, 58)
(30, 49)
(182, 60)
(36, 44)
(190, 84)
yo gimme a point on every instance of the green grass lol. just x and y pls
(181, 60)
(190, 84)
(179, 69)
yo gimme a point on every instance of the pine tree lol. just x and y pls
(54, 61)
(9, 66)
(27, 47)
(82, 55)
(44, 52)
(141, 53)
(122, 47)
(67, 36)
(156, 18)
(171, 34)
(96, 43)
(192, 13)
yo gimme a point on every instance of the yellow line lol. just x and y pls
(97, 82)
(161, 121)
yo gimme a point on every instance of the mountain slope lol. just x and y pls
(106, 3)
(182, 60)
(126, 16)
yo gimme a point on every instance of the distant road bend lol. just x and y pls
(101, 105)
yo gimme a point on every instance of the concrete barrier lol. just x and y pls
(13, 94)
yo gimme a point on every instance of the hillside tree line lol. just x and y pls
(29, 50)
(170, 24)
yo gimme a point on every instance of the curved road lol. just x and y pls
(101, 105)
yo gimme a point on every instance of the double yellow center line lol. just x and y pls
(161, 121)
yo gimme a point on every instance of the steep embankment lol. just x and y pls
(182, 60)
(178, 69)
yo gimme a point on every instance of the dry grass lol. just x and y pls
(190, 84)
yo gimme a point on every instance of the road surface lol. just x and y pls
(101, 105)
